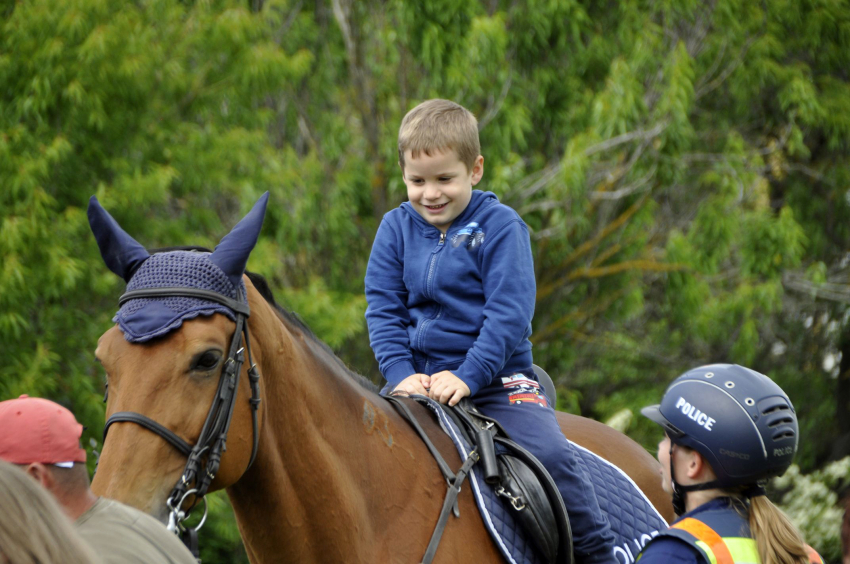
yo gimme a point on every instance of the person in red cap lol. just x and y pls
(43, 438)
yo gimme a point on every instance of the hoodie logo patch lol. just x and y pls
(472, 236)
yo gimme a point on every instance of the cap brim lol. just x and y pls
(653, 412)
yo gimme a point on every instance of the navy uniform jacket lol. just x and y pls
(715, 532)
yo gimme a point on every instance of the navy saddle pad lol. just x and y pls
(633, 518)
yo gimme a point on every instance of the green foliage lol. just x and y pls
(221, 542)
(811, 502)
(683, 167)
(333, 315)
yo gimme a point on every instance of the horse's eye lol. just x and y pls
(207, 361)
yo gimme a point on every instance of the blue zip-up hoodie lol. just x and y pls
(462, 302)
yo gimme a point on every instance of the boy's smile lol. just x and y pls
(439, 186)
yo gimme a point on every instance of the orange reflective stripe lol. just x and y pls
(814, 557)
(709, 536)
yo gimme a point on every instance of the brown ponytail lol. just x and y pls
(778, 540)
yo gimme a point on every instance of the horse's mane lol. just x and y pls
(289, 316)
(263, 288)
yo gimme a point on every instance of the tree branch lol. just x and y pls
(493, 110)
(641, 134)
(640, 264)
(626, 190)
(585, 247)
(834, 292)
(365, 103)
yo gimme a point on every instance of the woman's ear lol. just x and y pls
(698, 468)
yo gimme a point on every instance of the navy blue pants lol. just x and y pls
(518, 402)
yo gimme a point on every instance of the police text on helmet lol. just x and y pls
(693, 413)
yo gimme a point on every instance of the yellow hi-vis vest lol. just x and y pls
(723, 537)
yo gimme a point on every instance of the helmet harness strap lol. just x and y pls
(680, 492)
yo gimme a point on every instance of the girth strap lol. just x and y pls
(405, 412)
(557, 543)
(454, 480)
(449, 504)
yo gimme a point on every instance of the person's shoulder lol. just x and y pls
(499, 221)
(397, 213)
(492, 210)
(396, 227)
(664, 549)
(401, 219)
(121, 533)
(134, 518)
(116, 511)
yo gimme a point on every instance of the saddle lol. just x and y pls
(515, 475)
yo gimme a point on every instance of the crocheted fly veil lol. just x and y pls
(142, 319)
(220, 271)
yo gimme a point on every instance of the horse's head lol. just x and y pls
(177, 383)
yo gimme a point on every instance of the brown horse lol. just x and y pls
(338, 476)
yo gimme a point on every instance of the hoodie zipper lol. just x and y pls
(429, 288)
(432, 265)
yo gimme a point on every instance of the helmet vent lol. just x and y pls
(783, 434)
(730, 384)
(709, 374)
(780, 419)
(775, 408)
(672, 431)
(750, 401)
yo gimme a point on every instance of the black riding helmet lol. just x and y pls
(738, 419)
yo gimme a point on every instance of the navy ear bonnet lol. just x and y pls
(143, 319)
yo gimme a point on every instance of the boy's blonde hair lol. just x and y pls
(436, 125)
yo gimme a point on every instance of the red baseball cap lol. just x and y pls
(39, 430)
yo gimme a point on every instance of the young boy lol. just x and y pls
(450, 287)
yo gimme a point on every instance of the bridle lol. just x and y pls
(204, 457)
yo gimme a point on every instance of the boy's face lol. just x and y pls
(439, 186)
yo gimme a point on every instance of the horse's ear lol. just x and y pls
(121, 253)
(231, 254)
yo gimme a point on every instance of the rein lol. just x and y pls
(204, 458)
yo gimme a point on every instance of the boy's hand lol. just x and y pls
(413, 384)
(447, 388)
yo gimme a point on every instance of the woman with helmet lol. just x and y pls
(728, 429)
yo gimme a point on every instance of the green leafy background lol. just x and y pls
(683, 167)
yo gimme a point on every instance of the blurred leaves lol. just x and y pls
(811, 502)
(683, 168)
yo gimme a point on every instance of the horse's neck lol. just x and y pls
(329, 459)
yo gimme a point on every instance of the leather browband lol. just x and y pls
(238, 307)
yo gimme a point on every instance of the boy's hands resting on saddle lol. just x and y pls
(413, 384)
(443, 386)
(447, 388)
